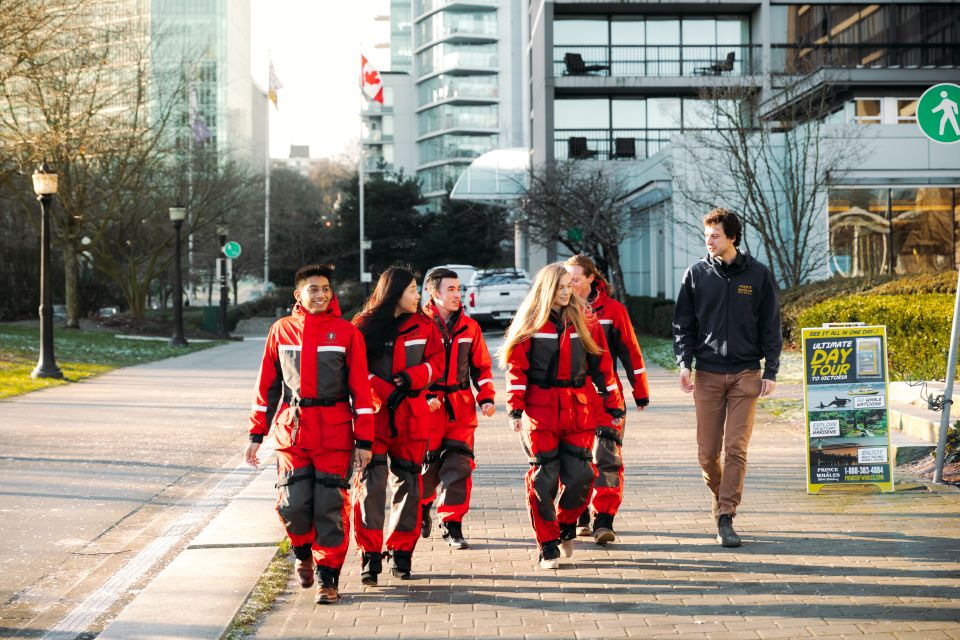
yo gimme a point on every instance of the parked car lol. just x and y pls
(108, 312)
(59, 312)
(465, 272)
(496, 294)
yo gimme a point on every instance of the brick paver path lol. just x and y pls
(839, 565)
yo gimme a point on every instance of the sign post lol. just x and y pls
(846, 408)
(938, 113)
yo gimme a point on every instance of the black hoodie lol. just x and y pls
(728, 317)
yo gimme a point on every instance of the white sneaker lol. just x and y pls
(566, 548)
(584, 530)
(553, 563)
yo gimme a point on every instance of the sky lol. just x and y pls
(315, 46)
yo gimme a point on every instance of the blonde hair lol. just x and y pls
(534, 312)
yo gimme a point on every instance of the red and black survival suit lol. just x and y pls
(450, 457)
(403, 422)
(607, 450)
(313, 364)
(551, 377)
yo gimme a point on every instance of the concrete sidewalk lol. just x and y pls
(836, 565)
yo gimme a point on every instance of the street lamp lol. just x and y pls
(222, 332)
(45, 186)
(177, 215)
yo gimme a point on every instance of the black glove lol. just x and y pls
(616, 413)
(642, 402)
(404, 384)
(395, 398)
(516, 414)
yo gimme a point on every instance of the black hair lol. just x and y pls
(435, 277)
(311, 270)
(376, 321)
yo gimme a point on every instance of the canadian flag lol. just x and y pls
(370, 81)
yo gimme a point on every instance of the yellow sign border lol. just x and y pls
(846, 332)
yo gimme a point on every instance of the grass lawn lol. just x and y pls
(79, 353)
(660, 351)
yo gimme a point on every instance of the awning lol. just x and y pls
(498, 175)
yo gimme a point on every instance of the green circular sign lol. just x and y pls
(231, 249)
(938, 113)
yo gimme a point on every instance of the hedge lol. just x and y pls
(795, 300)
(651, 315)
(919, 283)
(918, 328)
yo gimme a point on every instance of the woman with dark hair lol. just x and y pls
(588, 283)
(405, 355)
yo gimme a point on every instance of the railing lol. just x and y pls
(802, 59)
(656, 60)
(604, 144)
(423, 6)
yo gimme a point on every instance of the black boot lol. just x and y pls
(426, 524)
(725, 533)
(583, 523)
(328, 589)
(550, 555)
(371, 568)
(453, 534)
(400, 562)
(603, 528)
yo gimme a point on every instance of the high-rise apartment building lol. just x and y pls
(623, 82)
(461, 63)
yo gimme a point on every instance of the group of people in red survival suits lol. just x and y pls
(390, 397)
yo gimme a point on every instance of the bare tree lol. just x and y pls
(581, 205)
(773, 171)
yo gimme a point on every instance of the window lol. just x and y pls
(588, 113)
(663, 113)
(591, 31)
(868, 111)
(907, 110)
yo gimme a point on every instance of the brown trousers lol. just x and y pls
(726, 405)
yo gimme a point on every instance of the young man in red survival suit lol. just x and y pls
(450, 460)
(314, 362)
(590, 285)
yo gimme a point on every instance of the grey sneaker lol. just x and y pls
(725, 533)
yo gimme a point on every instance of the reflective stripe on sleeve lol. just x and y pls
(332, 348)
(516, 387)
(485, 381)
(606, 321)
(546, 335)
(363, 412)
(290, 347)
(259, 407)
(611, 387)
(637, 372)
(417, 341)
(429, 369)
(465, 340)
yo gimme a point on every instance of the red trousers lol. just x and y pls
(560, 463)
(449, 465)
(608, 458)
(398, 454)
(313, 501)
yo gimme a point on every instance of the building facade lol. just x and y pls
(624, 83)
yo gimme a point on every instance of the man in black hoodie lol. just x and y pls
(728, 319)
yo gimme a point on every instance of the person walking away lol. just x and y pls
(405, 356)
(314, 364)
(450, 455)
(727, 319)
(588, 283)
(552, 355)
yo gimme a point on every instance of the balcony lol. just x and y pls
(793, 59)
(609, 144)
(422, 7)
(656, 60)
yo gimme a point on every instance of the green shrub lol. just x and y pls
(651, 315)
(795, 300)
(918, 328)
(919, 283)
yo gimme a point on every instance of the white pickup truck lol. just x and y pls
(495, 294)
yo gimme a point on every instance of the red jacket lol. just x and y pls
(317, 357)
(466, 357)
(418, 354)
(552, 368)
(623, 343)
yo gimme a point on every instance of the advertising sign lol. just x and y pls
(845, 403)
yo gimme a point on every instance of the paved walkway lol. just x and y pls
(835, 565)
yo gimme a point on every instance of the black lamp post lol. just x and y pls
(177, 215)
(45, 186)
(222, 332)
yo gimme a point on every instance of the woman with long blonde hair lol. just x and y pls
(554, 353)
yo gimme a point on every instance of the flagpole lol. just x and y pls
(266, 209)
(363, 269)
